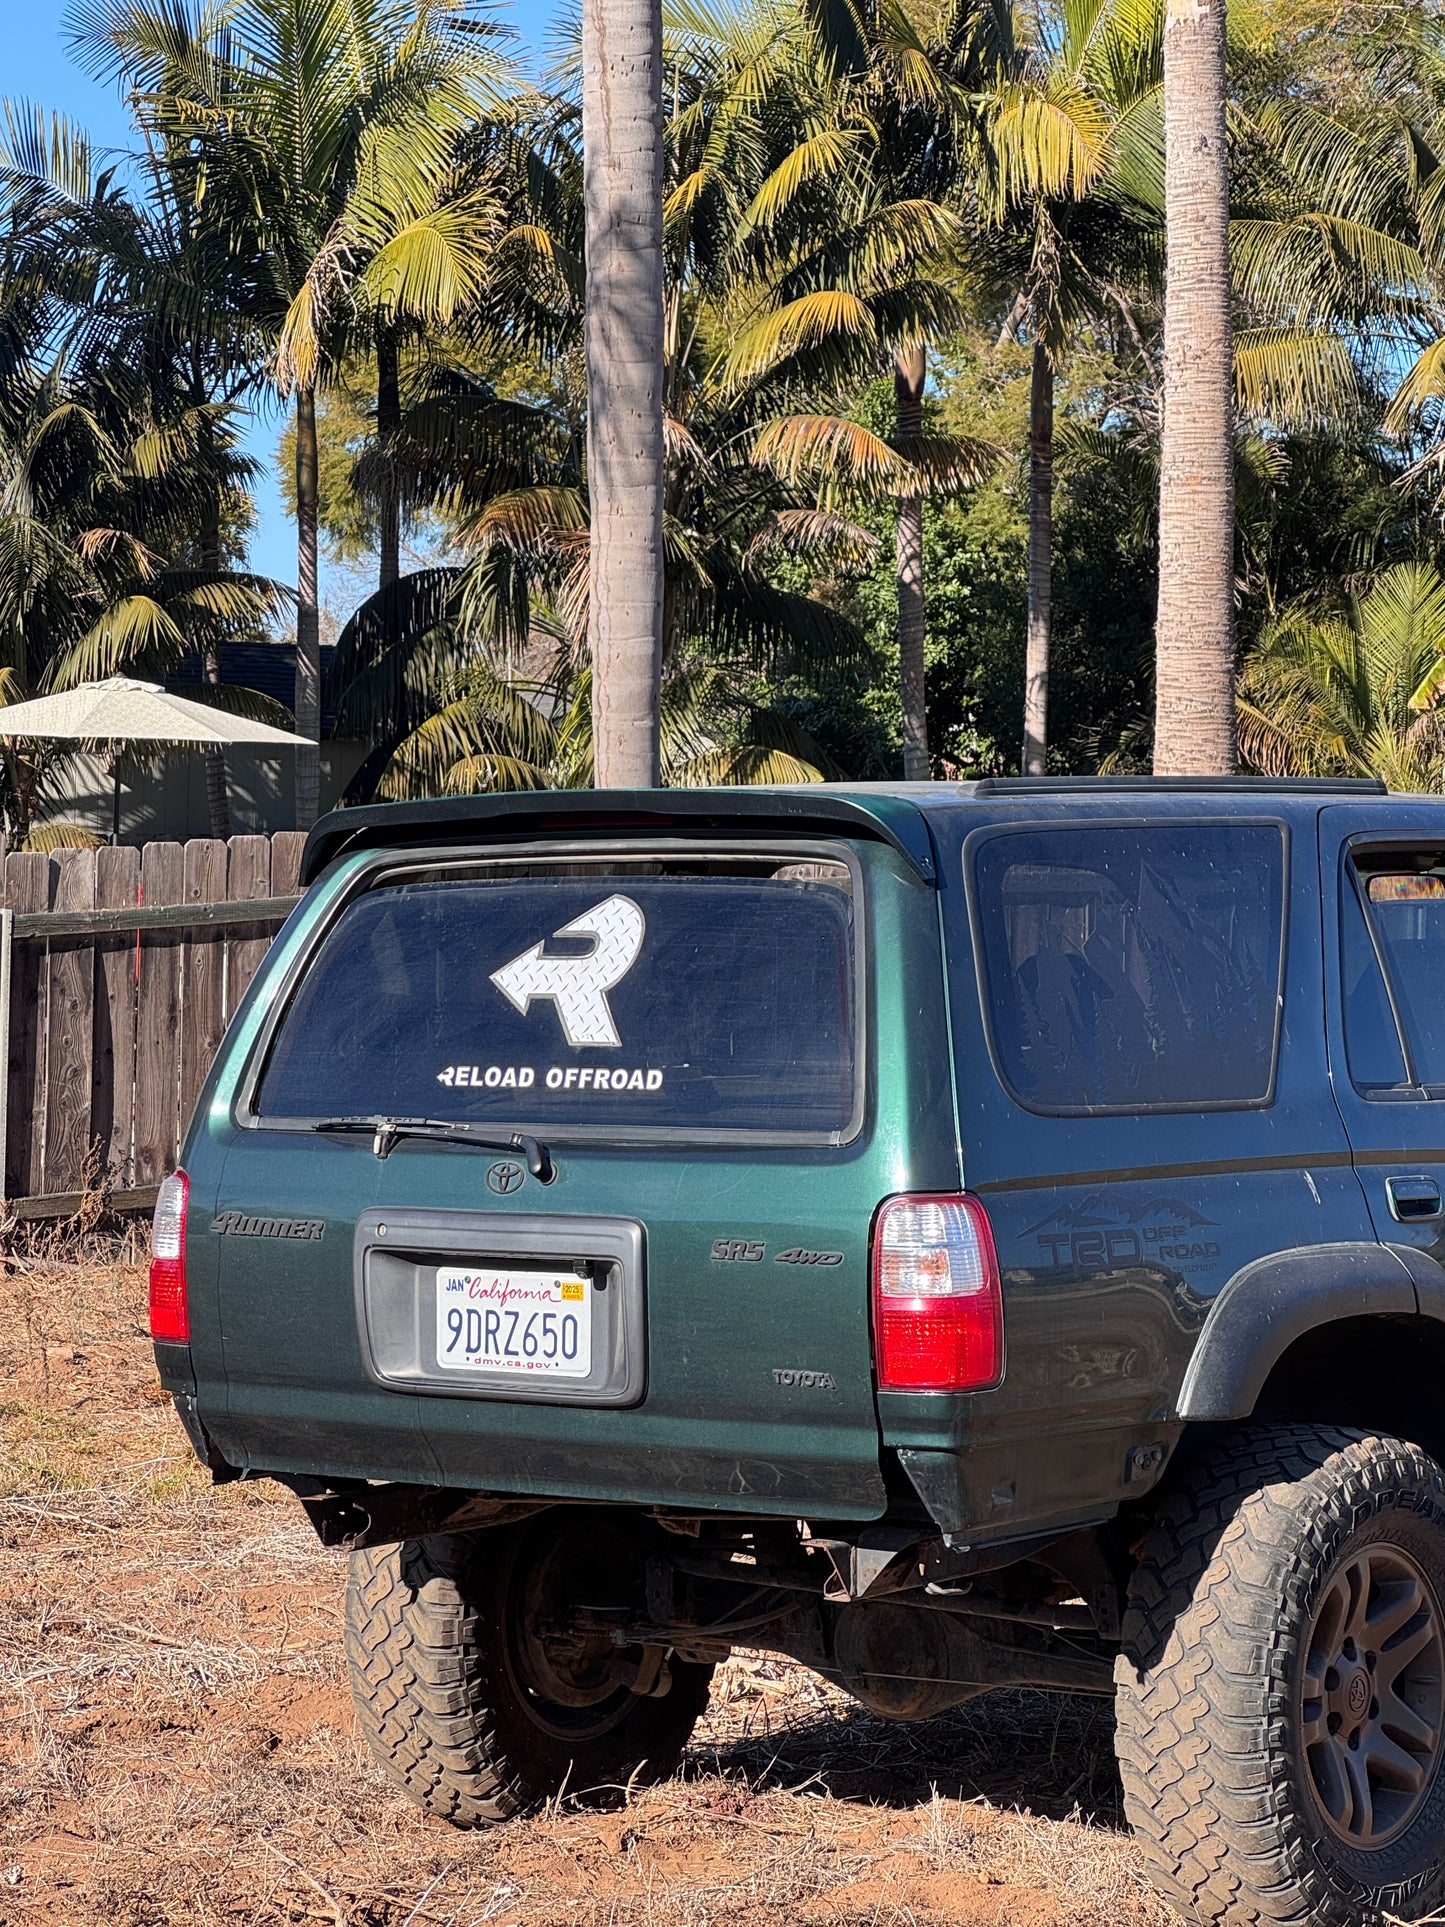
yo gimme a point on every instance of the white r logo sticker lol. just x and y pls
(578, 986)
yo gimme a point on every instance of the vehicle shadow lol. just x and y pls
(1045, 1753)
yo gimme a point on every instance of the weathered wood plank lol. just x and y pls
(69, 1203)
(70, 1032)
(27, 887)
(98, 923)
(287, 847)
(250, 877)
(157, 1056)
(203, 973)
(117, 887)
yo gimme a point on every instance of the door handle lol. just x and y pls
(1413, 1199)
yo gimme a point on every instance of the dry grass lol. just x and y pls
(176, 1739)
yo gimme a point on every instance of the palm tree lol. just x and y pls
(102, 519)
(144, 306)
(925, 68)
(320, 129)
(767, 308)
(1352, 690)
(1072, 120)
(498, 731)
(122, 472)
(869, 116)
(622, 186)
(1194, 729)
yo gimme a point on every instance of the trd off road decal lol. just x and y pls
(578, 986)
(1110, 1231)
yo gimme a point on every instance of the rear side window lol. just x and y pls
(1393, 914)
(1132, 968)
(683, 995)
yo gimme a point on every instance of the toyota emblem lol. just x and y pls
(506, 1177)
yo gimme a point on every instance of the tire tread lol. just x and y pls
(1207, 1638)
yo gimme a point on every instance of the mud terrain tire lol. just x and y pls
(1279, 1688)
(444, 1711)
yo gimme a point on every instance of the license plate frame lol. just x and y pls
(400, 1256)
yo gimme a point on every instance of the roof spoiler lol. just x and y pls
(601, 813)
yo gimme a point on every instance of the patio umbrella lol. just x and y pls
(120, 710)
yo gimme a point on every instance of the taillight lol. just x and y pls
(937, 1305)
(170, 1314)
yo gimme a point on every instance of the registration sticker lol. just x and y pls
(537, 1324)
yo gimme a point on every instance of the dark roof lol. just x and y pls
(269, 667)
(895, 813)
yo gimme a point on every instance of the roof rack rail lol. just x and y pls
(1088, 785)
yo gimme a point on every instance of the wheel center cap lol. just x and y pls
(1357, 1693)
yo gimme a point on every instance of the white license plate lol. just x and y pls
(535, 1323)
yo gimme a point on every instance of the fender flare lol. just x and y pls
(1271, 1302)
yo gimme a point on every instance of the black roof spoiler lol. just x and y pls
(587, 813)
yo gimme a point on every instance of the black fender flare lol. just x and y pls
(1271, 1302)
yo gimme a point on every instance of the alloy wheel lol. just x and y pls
(1372, 1696)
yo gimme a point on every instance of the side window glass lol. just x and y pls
(1131, 968)
(1406, 907)
(1372, 1043)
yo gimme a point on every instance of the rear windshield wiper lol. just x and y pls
(387, 1132)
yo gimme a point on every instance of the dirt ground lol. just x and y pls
(177, 1742)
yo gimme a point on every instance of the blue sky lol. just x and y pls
(37, 66)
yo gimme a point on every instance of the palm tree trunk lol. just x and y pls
(308, 619)
(388, 421)
(910, 372)
(1194, 730)
(622, 190)
(1041, 563)
(218, 798)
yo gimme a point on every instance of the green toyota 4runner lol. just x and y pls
(956, 1235)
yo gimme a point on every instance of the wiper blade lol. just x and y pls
(387, 1133)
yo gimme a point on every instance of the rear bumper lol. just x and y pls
(1002, 1488)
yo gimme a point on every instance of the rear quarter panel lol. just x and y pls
(1115, 1233)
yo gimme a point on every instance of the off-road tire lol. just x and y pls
(1235, 1578)
(440, 1710)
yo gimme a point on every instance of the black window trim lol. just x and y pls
(386, 864)
(1040, 825)
(1364, 843)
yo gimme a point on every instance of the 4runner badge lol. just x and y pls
(239, 1224)
(578, 986)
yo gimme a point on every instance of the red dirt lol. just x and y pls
(177, 1742)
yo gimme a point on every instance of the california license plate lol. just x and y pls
(537, 1324)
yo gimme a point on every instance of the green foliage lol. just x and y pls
(365, 200)
(1349, 689)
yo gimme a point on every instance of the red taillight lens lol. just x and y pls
(170, 1314)
(937, 1305)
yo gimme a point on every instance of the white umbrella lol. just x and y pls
(121, 710)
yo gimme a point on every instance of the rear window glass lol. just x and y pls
(1131, 969)
(1406, 911)
(702, 994)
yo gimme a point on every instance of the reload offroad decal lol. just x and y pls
(578, 986)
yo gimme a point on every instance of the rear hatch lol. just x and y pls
(663, 1297)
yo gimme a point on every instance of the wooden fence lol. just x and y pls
(119, 970)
